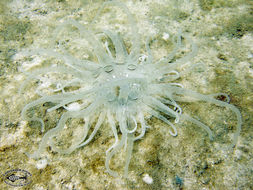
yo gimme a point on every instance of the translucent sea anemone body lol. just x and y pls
(122, 88)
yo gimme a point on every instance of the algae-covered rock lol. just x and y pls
(222, 31)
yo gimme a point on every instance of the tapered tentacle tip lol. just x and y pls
(34, 155)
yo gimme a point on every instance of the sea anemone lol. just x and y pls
(122, 87)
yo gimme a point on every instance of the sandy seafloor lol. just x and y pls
(223, 32)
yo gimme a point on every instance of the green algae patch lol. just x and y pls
(12, 35)
(206, 5)
(2, 7)
(239, 26)
(12, 28)
(210, 4)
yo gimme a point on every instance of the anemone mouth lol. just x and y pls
(124, 92)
